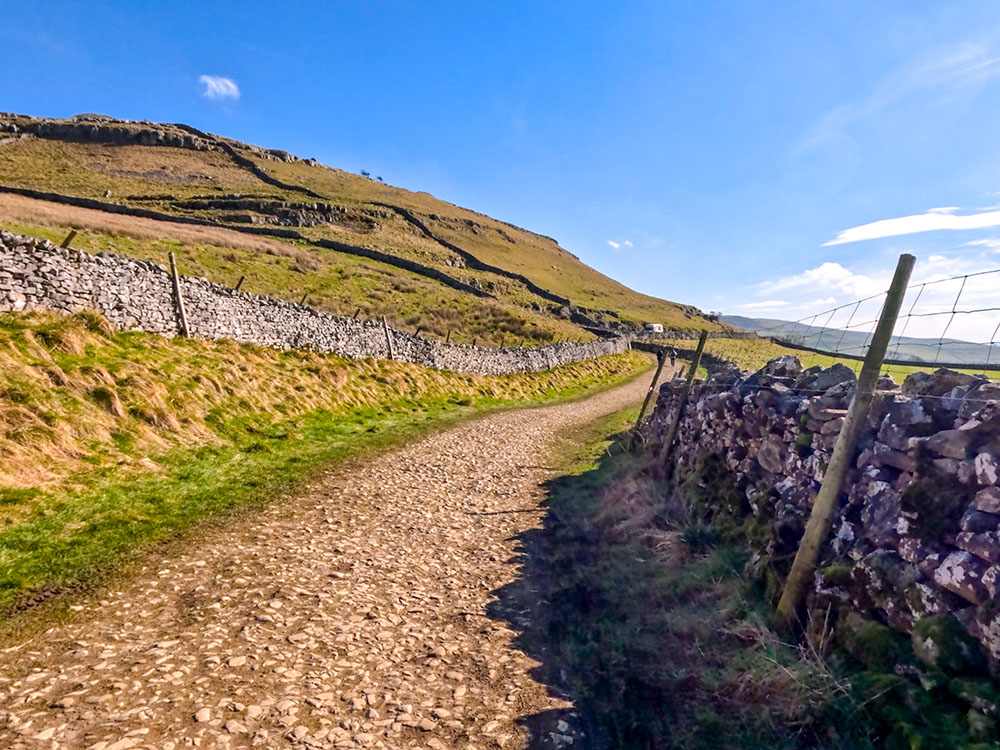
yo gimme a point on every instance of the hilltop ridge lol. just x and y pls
(351, 244)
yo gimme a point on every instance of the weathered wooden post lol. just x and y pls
(474, 340)
(178, 297)
(304, 298)
(447, 338)
(69, 239)
(419, 329)
(239, 283)
(388, 338)
(825, 503)
(676, 421)
(661, 358)
(357, 313)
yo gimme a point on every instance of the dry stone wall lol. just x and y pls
(915, 543)
(137, 295)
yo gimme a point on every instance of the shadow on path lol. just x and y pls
(573, 616)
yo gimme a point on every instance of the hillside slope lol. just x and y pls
(347, 241)
(909, 348)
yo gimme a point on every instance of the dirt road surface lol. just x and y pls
(351, 616)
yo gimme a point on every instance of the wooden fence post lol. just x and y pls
(304, 298)
(825, 503)
(448, 337)
(69, 239)
(388, 338)
(676, 421)
(239, 283)
(661, 358)
(357, 313)
(178, 298)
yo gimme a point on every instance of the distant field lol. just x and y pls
(752, 354)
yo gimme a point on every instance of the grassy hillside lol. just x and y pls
(110, 440)
(522, 276)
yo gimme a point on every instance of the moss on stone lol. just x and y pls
(838, 574)
(877, 646)
(942, 642)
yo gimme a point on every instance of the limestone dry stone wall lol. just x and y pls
(137, 295)
(915, 543)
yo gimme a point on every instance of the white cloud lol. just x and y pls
(831, 276)
(218, 87)
(627, 244)
(934, 219)
(770, 304)
(614, 244)
(825, 296)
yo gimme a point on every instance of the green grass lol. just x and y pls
(752, 354)
(142, 438)
(655, 631)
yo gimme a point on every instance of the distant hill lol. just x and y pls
(295, 228)
(908, 348)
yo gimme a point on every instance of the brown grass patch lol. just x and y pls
(32, 211)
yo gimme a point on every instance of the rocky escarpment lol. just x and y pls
(910, 579)
(137, 295)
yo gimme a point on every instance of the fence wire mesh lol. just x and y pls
(951, 322)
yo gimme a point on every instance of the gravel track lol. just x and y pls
(350, 616)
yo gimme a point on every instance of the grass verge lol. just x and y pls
(113, 442)
(652, 626)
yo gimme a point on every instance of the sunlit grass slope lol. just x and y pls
(109, 440)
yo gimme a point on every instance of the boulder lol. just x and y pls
(987, 500)
(937, 383)
(962, 574)
(987, 470)
(782, 367)
(826, 379)
(948, 443)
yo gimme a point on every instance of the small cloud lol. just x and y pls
(217, 87)
(614, 244)
(992, 244)
(943, 210)
(628, 244)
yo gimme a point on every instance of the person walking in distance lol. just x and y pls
(673, 356)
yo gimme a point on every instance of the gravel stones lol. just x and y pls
(375, 583)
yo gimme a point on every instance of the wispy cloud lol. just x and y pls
(624, 243)
(936, 218)
(771, 304)
(218, 87)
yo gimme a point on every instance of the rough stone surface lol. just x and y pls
(353, 616)
(138, 295)
(917, 529)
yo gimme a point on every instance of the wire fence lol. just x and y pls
(951, 322)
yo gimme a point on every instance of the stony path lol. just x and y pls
(353, 616)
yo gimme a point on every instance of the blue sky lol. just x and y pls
(706, 152)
